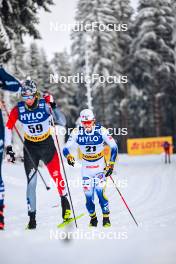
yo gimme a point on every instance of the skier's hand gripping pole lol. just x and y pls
(11, 154)
(109, 169)
(71, 160)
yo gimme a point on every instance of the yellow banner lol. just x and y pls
(143, 146)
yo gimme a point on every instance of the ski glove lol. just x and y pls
(11, 153)
(71, 160)
(49, 99)
(109, 169)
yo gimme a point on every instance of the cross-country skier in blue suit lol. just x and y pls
(90, 137)
(7, 82)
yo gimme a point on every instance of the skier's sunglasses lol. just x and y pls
(89, 122)
(26, 97)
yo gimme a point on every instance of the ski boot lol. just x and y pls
(1, 217)
(66, 211)
(32, 221)
(106, 220)
(93, 220)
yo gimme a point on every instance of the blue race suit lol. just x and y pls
(1, 155)
(9, 83)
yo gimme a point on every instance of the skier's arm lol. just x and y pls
(8, 82)
(52, 109)
(13, 117)
(49, 100)
(114, 149)
(70, 143)
(1, 126)
(108, 139)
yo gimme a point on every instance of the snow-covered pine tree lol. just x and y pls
(119, 96)
(65, 90)
(104, 53)
(106, 61)
(124, 12)
(17, 64)
(34, 62)
(79, 48)
(44, 71)
(152, 66)
(19, 18)
(4, 41)
(173, 93)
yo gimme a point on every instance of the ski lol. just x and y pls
(27, 228)
(70, 220)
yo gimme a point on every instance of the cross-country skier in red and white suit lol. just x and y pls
(35, 115)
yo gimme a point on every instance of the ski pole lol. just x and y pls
(26, 149)
(124, 200)
(65, 175)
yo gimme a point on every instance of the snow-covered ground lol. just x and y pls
(148, 186)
